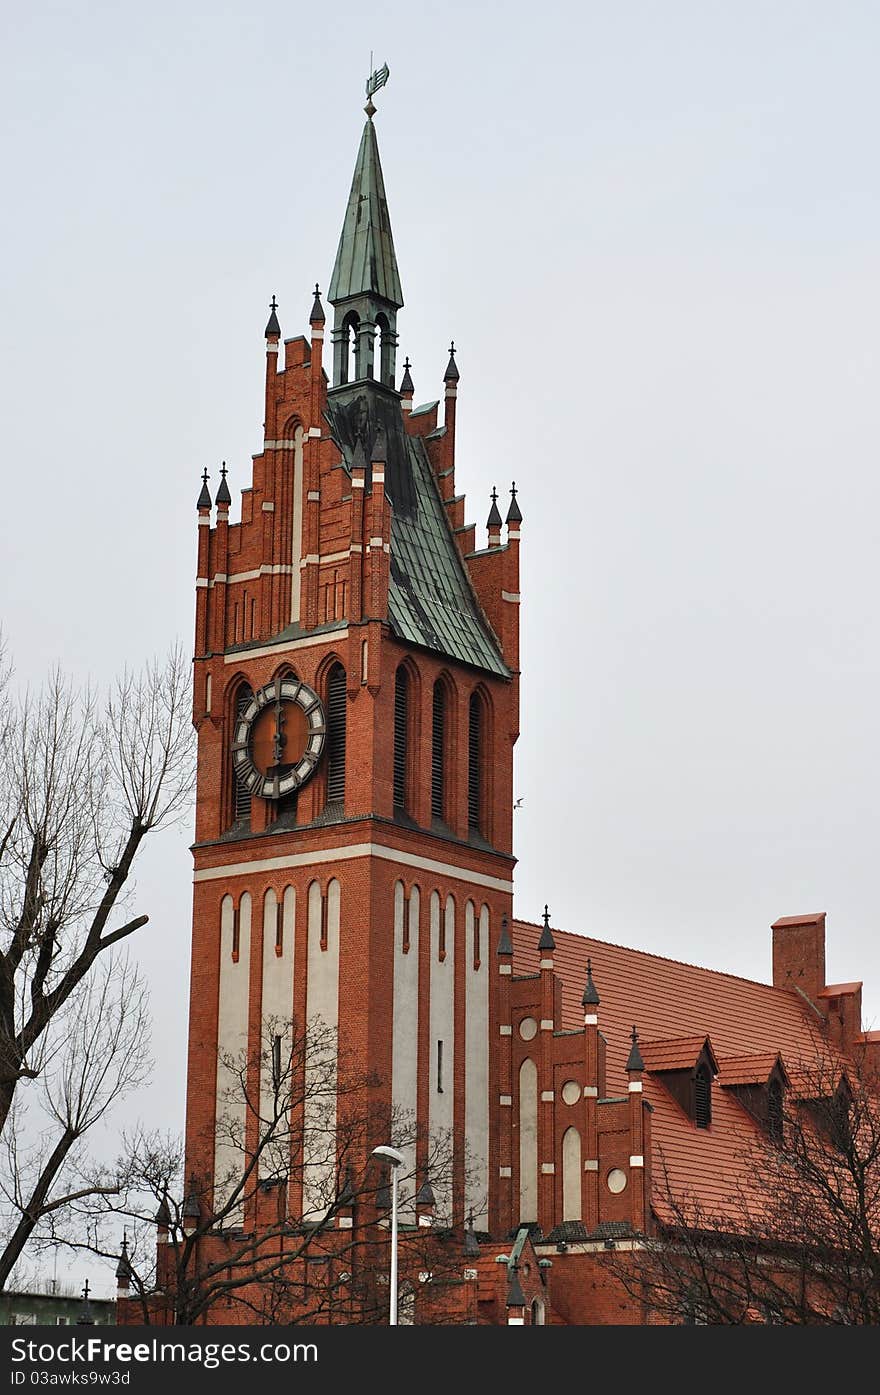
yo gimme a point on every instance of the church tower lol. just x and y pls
(356, 702)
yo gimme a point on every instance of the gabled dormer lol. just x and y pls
(686, 1067)
(759, 1082)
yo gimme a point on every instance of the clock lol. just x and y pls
(279, 738)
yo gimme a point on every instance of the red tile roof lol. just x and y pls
(678, 1053)
(669, 1000)
(748, 1070)
(838, 990)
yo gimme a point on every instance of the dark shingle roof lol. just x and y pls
(431, 601)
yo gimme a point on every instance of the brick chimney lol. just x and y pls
(799, 954)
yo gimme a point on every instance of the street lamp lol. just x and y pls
(395, 1158)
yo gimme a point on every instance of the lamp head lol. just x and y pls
(389, 1154)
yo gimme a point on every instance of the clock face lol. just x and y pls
(279, 738)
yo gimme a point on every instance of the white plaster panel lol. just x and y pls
(442, 1028)
(528, 1141)
(476, 1055)
(405, 1040)
(232, 1030)
(571, 1176)
(322, 1009)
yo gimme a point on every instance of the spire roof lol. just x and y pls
(123, 1268)
(452, 374)
(505, 943)
(425, 1193)
(591, 997)
(317, 316)
(634, 1059)
(223, 495)
(406, 382)
(494, 519)
(365, 260)
(191, 1208)
(513, 513)
(471, 1243)
(515, 1296)
(546, 941)
(205, 496)
(273, 327)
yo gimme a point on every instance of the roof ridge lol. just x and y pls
(663, 958)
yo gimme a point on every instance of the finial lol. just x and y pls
(223, 495)
(205, 496)
(273, 328)
(494, 519)
(546, 941)
(452, 374)
(634, 1061)
(406, 382)
(591, 997)
(377, 79)
(513, 513)
(317, 316)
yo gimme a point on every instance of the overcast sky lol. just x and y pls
(652, 231)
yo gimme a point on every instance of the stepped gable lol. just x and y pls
(674, 1002)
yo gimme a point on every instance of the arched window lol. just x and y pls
(702, 1097)
(385, 351)
(241, 795)
(475, 764)
(401, 735)
(348, 363)
(336, 712)
(438, 752)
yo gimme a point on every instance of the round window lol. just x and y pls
(571, 1092)
(528, 1028)
(616, 1179)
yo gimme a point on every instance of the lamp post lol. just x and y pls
(395, 1158)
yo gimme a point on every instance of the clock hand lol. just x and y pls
(280, 740)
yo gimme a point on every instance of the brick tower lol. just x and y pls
(356, 701)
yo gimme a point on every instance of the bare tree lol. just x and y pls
(94, 1052)
(799, 1242)
(293, 1225)
(82, 784)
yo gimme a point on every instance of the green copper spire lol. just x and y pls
(365, 261)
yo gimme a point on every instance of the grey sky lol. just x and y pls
(652, 231)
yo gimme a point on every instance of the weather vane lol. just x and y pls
(378, 78)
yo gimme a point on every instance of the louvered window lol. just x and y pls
(702, 1098)
(438, 742)
(241, 795)
(774, 1111)
(401, 724)
(336, 704)
(475, 757)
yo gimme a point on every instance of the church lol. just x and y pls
(356, 698)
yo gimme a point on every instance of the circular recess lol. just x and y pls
(528, 1028)
(616, 1180)
(571, 1092)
